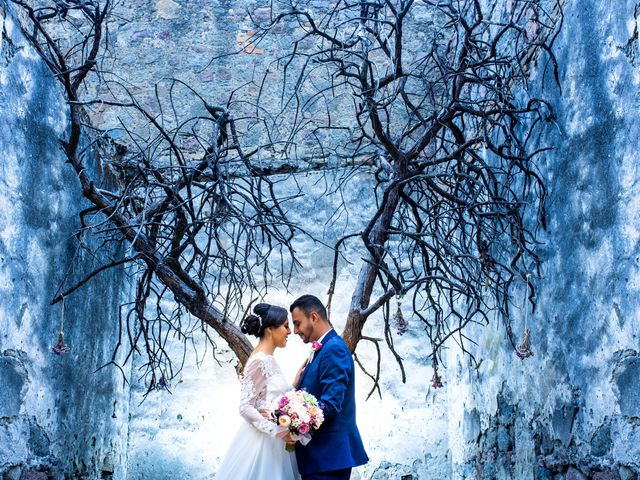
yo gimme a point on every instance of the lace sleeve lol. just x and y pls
(253, 398)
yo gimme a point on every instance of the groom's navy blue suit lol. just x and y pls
(336, 446)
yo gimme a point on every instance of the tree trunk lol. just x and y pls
(361, 298)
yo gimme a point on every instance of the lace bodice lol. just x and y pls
(262, 384)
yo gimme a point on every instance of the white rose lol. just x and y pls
(284, 421)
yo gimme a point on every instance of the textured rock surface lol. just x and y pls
(55, 413)
(577, 398)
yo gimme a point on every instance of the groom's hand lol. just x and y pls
(289, 440)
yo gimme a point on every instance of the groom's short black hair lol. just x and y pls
(308, 304)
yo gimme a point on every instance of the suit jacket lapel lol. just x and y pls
(330, 336)
(304, 374)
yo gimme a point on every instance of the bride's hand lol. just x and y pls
(266, 413)
(296, 381)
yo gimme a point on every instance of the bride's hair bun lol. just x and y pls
(251, 325)
(264, 316)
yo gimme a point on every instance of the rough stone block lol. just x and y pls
(627, 379)
(543, 473)
(489, 469)
(262, 14)
(573, 474)
(601, 442)
(562, 422)
(471, 425)
(506, 411)
(505, 442)
(389, 471)
(38, 440)
(13, 377)
(167, 9)
(546, 441)
(627, 474)
(13, 443)
(491, 439)
(13, 473)
(504, 466)
(31, 475)
(606, 475)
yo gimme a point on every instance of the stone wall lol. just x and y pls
(569, 412)
(56, 414)
(572, 410)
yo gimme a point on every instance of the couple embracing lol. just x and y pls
(258, 451)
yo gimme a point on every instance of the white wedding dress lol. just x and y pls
(257, 452)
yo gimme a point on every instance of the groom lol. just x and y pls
(329, 375)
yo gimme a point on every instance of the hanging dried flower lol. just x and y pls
(60, 347)
(436, 380)
(401, 324)
(524, 349)
(162, 384)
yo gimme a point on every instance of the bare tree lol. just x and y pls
(431, 98)
(201, 221)
(437, 97)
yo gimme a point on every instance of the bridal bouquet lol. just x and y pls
(300, 412)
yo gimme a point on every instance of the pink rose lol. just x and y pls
(283, 402)
(303, 428)
(316, 346)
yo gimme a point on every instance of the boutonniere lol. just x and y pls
(316, 346)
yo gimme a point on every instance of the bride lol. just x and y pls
(258, 452)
